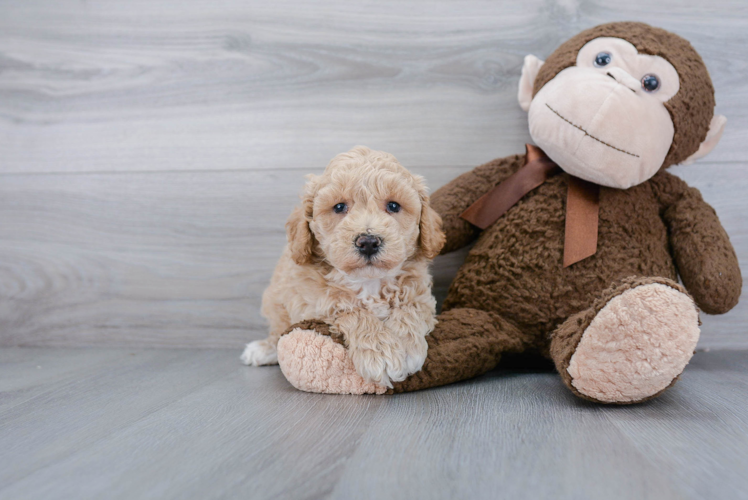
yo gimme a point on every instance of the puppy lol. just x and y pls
(358, 252)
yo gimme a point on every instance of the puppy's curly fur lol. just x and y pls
(381, 302)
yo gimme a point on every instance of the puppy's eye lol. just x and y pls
(603, 59)
(340, 208)
(393, 207)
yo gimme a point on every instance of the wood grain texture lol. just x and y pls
(196, 424)
(150, 151)
(198, 84)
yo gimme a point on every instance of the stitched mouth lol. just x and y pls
(588, 134)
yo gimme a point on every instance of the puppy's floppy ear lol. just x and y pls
(431, 238)
(299, 234)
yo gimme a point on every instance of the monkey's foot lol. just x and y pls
(315, 362)
(635, 346)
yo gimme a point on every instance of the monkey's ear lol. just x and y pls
(527, 80)
(716, 127)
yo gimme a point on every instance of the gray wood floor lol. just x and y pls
(131, 423)
(151, 151)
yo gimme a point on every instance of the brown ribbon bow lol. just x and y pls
(582, 204)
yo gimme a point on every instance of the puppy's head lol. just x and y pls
(365, 215)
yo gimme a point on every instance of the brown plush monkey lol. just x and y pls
(578, 244)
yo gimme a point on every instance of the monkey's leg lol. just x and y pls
(631, 344)
(465, 343)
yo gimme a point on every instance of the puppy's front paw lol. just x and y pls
(260, 352)
(416, 350)
(371, 365)
(407, 358)
(387, 363)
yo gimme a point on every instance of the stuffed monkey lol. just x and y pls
(579, 243)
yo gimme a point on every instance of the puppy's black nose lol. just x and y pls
(368, 245)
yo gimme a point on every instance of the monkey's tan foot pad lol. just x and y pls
(313, 362)
(637, 345)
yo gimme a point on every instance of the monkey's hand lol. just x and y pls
(703, 253)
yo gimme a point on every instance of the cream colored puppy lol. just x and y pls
(358, 252)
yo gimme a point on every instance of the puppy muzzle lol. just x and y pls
(368, 245)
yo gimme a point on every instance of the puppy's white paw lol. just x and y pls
(371, 365)
(390, 362)
(407, 359)
(415, 354)
(260, 352)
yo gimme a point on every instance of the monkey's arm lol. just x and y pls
(453, 198)
(702, 250)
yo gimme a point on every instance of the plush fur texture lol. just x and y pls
(313, 364)
(636, 345)
(632, 241)
(633, 326)
(382, 304)
(639, 335)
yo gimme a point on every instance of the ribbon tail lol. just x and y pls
(582, 217)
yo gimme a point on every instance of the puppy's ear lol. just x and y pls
(298, 232)
(431, 238)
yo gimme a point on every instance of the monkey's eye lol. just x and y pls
(603, 59)
(650, 83)
(393, 207)
(340, 208)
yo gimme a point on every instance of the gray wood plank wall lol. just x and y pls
(151, 151)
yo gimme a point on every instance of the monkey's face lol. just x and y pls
(604, 120)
